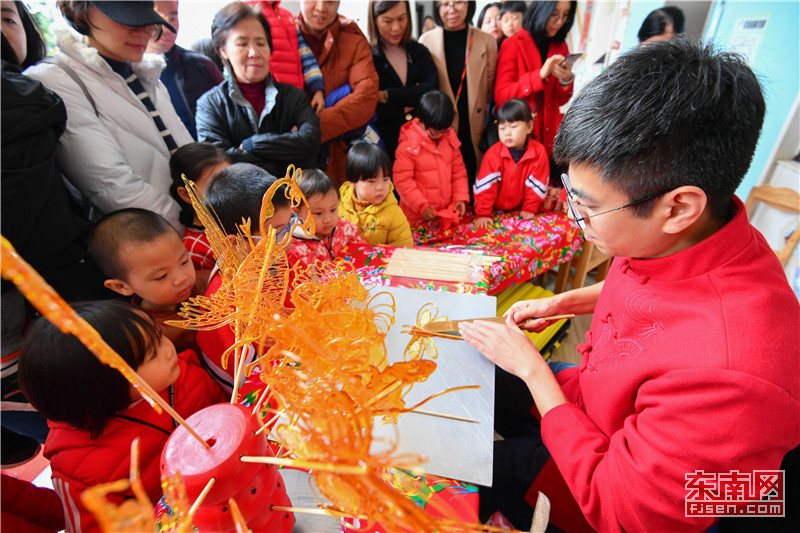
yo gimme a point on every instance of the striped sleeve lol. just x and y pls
(537, 181)
(486, 188)
(539, 188)
(485, 182)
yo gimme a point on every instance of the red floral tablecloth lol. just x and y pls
(526, 248)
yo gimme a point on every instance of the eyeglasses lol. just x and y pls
(282, 233)
(436, 133)
(573, 209)
(455, 6)
(152, 30)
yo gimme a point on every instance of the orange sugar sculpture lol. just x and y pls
(421, 343)
(254, 274)
(324, 361)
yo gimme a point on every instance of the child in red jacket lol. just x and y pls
(515, 170)
(332, 233)
(94, 413)
(236, 194)
(429, 171)
(199, 162)
(143, 258)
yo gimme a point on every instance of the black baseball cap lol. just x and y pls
(132, 14)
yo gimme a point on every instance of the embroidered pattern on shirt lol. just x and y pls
(640, 326)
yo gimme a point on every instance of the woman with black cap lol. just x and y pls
(121, 126)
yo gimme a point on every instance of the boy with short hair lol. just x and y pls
(332, 233)
(691, 363)
(235, 194)
(144, 258)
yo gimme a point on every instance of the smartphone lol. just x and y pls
(570, 59)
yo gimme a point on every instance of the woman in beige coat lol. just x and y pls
(454, 44)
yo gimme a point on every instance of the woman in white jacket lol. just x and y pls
(117, 144)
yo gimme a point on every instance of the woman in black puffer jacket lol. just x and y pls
(251, 116)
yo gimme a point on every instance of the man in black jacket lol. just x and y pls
(188, 74)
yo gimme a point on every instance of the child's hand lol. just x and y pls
(526, 215)
(429, 213)
(482, 222)
(318, 102)
(461, 207)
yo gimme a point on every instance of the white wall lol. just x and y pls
(196, 16)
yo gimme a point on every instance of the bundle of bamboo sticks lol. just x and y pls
(438, 265)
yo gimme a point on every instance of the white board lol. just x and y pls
(455, 449)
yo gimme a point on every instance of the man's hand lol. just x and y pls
(510, 349)
(429, 213)
(526, 309)
(461, 207)
(577, 301)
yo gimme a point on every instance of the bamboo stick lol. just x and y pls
(307, 465)
(388, 390)
(443, 255)
(444, 269)
(432, 271)
(312, 510)
(433, 260)
(264, 425)
(556, 317)
(201, 497)
(240, 351)
(422, 274)
(260, 400)
(444, 415)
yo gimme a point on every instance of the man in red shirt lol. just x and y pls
(691, 362)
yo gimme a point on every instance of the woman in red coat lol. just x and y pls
(529, 66)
